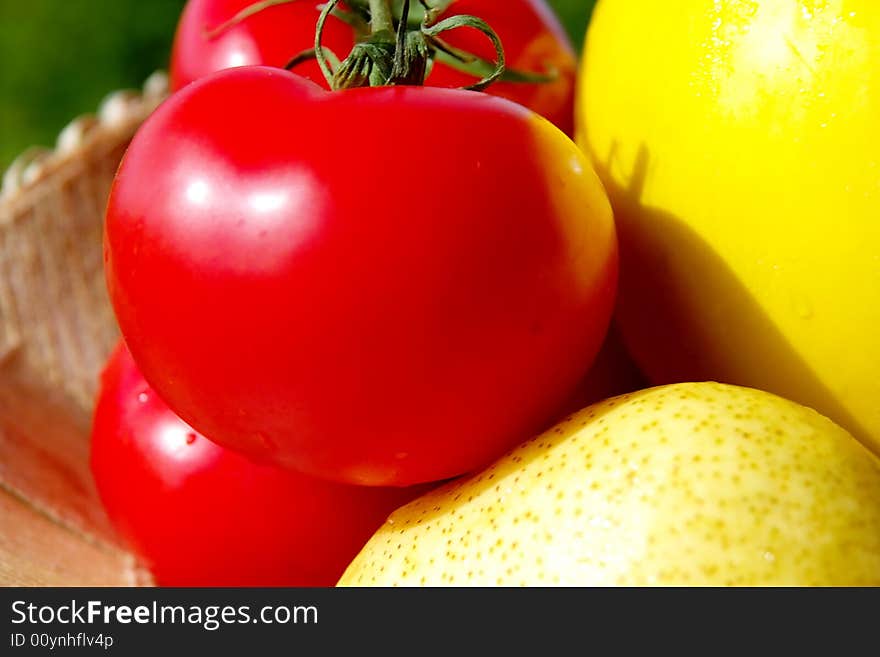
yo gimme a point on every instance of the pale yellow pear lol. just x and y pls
(688, 484)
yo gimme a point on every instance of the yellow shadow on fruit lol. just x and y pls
(679, 333)
(739, 142)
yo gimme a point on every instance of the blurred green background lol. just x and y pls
(59, 58)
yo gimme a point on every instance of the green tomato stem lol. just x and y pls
(381, 18)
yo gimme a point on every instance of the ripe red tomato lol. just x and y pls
(532, 36)
(534, 40)
(378, 286)
(201, 515)
(270, 37)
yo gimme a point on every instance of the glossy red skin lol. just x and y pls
(532, 36)
(393, 302)
(270, 37)
(202, 515)
(533, 40)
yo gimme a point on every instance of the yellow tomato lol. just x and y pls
(739, 141)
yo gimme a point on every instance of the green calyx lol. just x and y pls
(368, 65)
(403, 57)
(397, 42)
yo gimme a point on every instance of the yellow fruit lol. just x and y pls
(690, 484)
(739, 141)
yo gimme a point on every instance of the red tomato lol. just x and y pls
(532, 36)
(534, 40)
(305, 277)
(201, 515)
(270, 37)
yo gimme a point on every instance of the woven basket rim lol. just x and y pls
(118, 112)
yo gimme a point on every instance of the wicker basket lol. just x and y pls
(56, 329)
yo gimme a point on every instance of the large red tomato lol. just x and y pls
(533, 39)
(378, 286)
(201, 515)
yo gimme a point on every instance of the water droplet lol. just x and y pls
(191, 438)
(769, 557)
(401, 455)
(802, 307)
(143, 398)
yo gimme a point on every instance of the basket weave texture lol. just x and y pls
(56, 329)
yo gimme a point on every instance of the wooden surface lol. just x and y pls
(36, 550)
(56, 329)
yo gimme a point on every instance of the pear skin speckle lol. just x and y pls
(689, 484)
